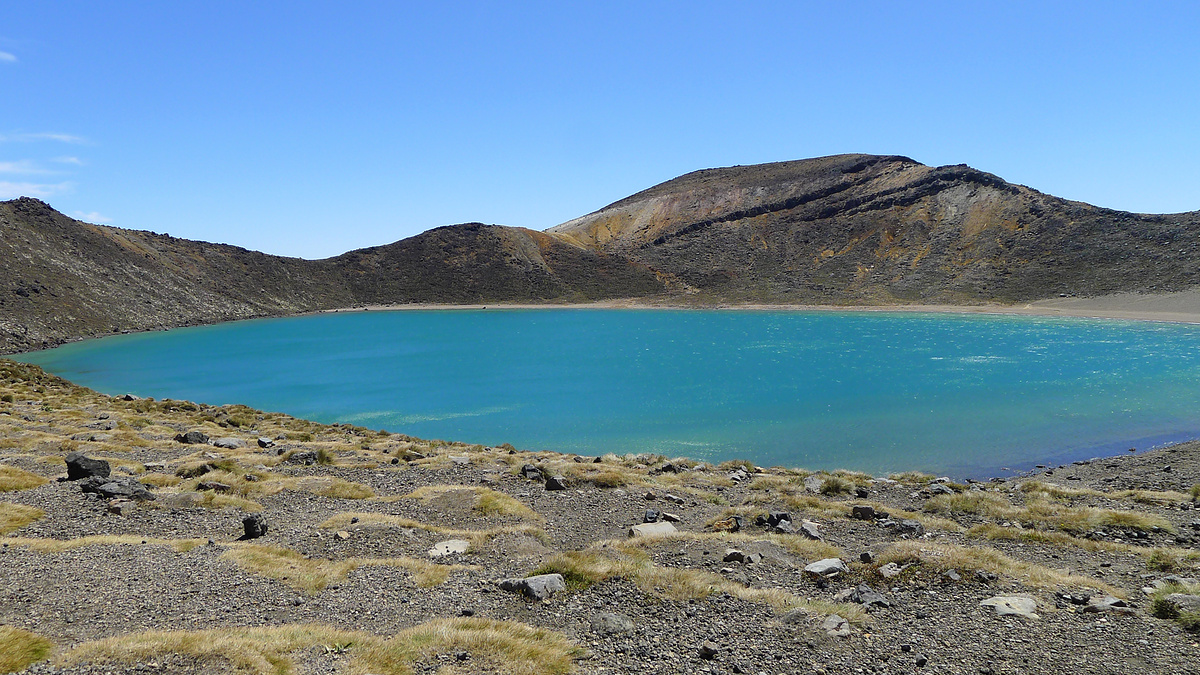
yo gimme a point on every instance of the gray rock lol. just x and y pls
(939, 489)
(449, 547)
(532, 472)
(827, 568)
(80, 466)
(1013, 605)
(182, 500)
(228, 443)
(673, 499)
(708, 650)
(734, 555)
(836, 626)
(264, 442)
(810, 529)
(1107, 603)
(798, 616)
(460, 460)
(609, 623)
(192, 438)
(784, 527)
(540, 587)
(813, 483)
(670, 517)
(254, 525)
(739, 475)
(865, 595)
(556, 483)
(116, 488)
(658, 529)
(862, 512)
(215, 486)
(1183, 602)
(892, 570)
(651, 516)
(776, 517)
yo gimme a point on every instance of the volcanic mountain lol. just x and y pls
(849, 229)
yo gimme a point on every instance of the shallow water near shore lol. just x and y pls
(964, 395)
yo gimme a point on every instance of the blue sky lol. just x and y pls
(308, 129)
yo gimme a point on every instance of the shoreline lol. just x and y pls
(1177, 307)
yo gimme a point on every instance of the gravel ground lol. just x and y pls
(934, 623)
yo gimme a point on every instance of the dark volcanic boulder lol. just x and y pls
(192, 438)
(80, 467)
(255, 526)
(116, 488)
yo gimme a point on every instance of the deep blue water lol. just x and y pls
(963, 395)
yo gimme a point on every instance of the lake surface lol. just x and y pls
(964, 395)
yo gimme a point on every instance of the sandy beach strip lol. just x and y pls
(1177, 307)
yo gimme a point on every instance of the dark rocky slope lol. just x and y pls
(65, 279)
(842, 229)
(863, 228)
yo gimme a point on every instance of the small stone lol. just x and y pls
(80, 466)
(734, 555)
(121, 507)
(866, 557)
(670, 517)
(213, 485)
(192, 438)
(555, 483)
(609, 623)
(532, 472)
(538, 587)
(228, 443)
(341, 535)
(827, 568)
(862, 512)
(650, 516)
(1107, 604)
(460, 460)
(1015, 605)
(264, 442)
(921, 660)
(730, 524)
(255, 526)
(836, 626)
(658, 529)
(449, 547)
(809, 529)
(708, 650)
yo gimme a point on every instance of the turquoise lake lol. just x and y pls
(964, 395)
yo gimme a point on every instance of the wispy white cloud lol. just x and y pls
(5, 57)
(41, 136)
(69, 160)
(11, 190)
(91, 217)
(23, 166)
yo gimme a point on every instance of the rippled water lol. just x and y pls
(959, 394)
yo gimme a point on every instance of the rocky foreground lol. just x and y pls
(144, 536)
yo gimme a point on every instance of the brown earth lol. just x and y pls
(344, 573)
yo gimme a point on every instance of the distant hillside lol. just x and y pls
(863, 228)
(842, 229)
(65, 279)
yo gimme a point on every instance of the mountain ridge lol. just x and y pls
(843, 229)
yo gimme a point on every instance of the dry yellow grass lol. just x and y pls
(312, 574)
(488, 502)
(1053, 491)
(20, 649)
(942, 557)
(59, 545)
(13, 478)
(626, 560)
(476, 537)
(15, 516)
(1044, 514)
(505, 647)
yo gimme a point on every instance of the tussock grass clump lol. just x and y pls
(942, 557)
(625, 560)
(15, 516)
(20, 649)
(1164, 609)
(1043, 514)
(476, 537)
(1053, 491)
(506, 647)
(13, 478)
(311, 575)
(488, 502)
(59, 545)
